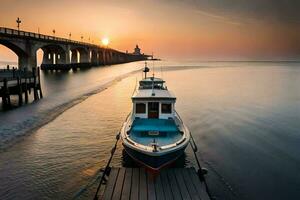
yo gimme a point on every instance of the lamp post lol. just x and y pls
(70, 35)
(18, 23)
(53, 32)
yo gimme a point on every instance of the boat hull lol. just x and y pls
(154, 162)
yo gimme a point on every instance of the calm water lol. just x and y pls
(244, 116)
(62, 90)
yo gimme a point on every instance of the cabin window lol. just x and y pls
(140, 108)
(166, 108)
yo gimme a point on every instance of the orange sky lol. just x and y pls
(171, 29)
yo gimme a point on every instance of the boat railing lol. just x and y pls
(139, 145)
(173, 145)
(178, 116)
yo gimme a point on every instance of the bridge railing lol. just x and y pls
(37, 36)
(9, 31)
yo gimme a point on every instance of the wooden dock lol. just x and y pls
(138, 184)
(19, 82)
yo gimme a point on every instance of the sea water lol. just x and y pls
(244, 117)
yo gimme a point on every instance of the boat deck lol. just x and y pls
(167, 131)
(172, 183)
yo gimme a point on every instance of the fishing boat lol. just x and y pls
(154, 134)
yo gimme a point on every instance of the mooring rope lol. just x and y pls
(200, 170)
(113, 150)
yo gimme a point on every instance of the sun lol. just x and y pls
(105, 41)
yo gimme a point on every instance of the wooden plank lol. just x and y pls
(190, 186)
(109, 189)
(127, 184)
(151, 187)
(134, 194)
(158, 188)
(200, 188)
(166, 185)
(137, 184)
(119, 185)
(143, 185)
(174, 185)
(182, 187)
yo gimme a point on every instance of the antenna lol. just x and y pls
(146, 70)
(161, 72)
(153, 69)
(153, 93)
(153, 64)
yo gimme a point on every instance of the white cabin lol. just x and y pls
(153, 100)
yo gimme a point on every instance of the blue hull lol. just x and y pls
(154, 162)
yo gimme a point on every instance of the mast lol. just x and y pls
(146, 70)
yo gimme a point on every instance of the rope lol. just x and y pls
(200, 172)
(113, 150)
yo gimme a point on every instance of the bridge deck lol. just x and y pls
(136, 183)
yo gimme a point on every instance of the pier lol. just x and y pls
(19, 82)
(141, 184)
(61, 53)
(138, 184)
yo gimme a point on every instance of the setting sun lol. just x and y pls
(105, 41)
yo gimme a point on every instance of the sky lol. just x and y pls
(182, 29)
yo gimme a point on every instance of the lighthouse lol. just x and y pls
(137, 50)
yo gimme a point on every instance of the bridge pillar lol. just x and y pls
(104, 57)
(94, 58)
(67, 55)
(27, 60)
(107, 57)
(48, 58)
(98, 59)
(110, 57)
(74, 57)
(84, 57)
(61, 58)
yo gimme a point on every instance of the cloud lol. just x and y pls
(218, 17)
(283, 11)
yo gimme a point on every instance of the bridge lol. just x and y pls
(60, 53)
